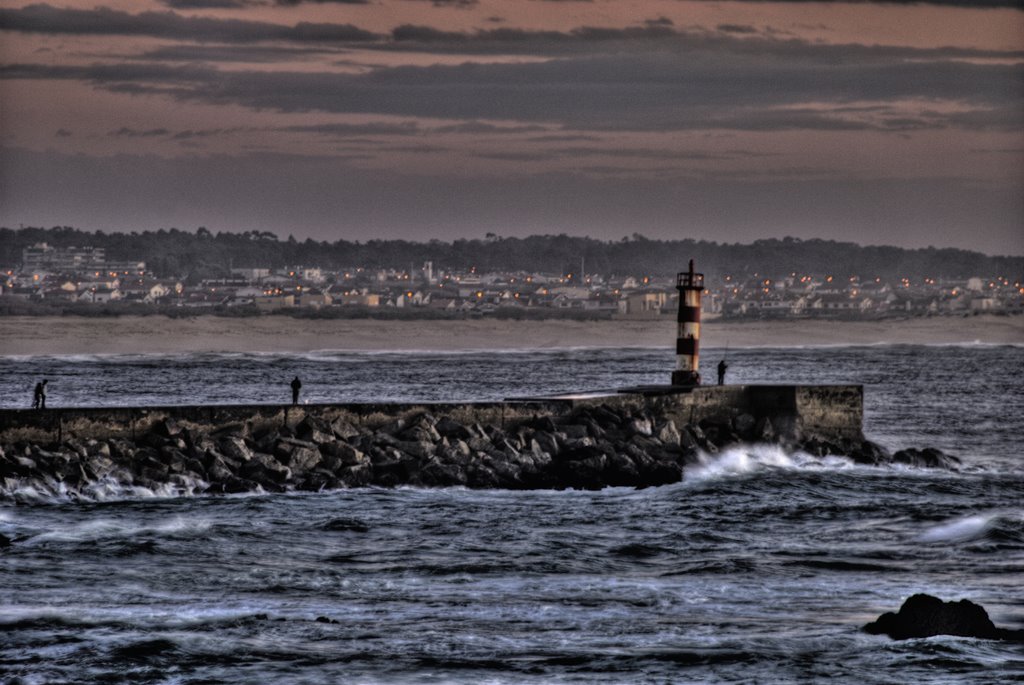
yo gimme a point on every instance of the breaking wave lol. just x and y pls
(996, 526)
(747, 459)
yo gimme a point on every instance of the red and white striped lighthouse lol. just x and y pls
(690, 286)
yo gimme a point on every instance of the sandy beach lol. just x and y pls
(157, 334)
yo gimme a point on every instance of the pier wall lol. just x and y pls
(795, 412)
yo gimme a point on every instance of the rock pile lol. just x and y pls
(590, 448)
(926, 616)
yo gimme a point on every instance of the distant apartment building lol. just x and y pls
(44, 258)
(251, 275)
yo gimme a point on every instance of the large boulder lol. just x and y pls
(669, 434)
(235, 448)
(344, 430)
(315, 430)
(925, 616)
(929, 457)
(264, 468)
(435, 473)
(304, 459)
(339, 454)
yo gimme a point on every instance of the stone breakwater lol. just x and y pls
(589, 444)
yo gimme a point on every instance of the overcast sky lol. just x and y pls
(896, 123)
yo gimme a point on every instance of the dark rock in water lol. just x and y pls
(928, 457)
(318, 480)
(263, 468)
(480, 475)
(356, 476)
(818, 448)
(590, 447)
(870, 453)
(435, 473)
(233, 485)
(584, 474)
(925, 616)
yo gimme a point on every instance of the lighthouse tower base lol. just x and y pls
(685, 378)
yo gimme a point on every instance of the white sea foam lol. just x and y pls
(105, 489)
(960, 530)
(745, 459)
(106, 529)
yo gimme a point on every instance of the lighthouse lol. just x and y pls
(690, 286)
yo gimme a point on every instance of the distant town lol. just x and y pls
(86, 280)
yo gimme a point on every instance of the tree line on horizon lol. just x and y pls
(204, 254)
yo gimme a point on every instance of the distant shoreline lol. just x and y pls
(32, 335)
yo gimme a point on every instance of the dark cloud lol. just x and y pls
(125, 132)
(42, 18)
(481, 127)
(104, 21)
(62, 133)
(966, 4)
(423, 149)
(736, 28)
(564, 138)
(189, 134)
(457, 4)
(708, 83)
(656, 37)
(515, 156)
(333, 130)
(206, 4)
(294, 3)
(351, 130)
(253, 54)
(635, 153)
(653, 36)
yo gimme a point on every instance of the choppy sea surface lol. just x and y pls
(760, 567)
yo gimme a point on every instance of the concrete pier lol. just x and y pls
(796, 412)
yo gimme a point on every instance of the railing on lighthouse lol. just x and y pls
(690, 286)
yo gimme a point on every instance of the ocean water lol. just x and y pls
(760, 567)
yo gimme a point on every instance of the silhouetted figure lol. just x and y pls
(39, 395)
(296, 386)
(722, 366)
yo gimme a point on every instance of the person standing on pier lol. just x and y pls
(722, 366)
(296, 386)
(39, 395)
